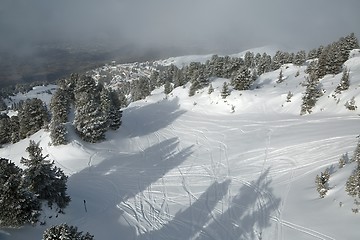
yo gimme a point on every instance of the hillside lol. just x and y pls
(204, 167)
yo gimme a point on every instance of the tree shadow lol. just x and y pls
(248, 214)
(188, 223)
(97, 191)
(140, 121)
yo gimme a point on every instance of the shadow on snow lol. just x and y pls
(115, 180)
(144, 120)
(248, 214)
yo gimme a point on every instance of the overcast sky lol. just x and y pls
(209, 25)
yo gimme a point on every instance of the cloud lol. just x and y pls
(207, 25)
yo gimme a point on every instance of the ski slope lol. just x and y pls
(204, 167)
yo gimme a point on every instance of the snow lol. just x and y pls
(204, 167)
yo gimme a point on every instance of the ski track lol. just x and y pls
(155, 205)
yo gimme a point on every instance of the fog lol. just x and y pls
(181, 26)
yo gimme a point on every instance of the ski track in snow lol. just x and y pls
(205, 173)
(218, 168)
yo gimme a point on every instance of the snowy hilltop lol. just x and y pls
(256, 145)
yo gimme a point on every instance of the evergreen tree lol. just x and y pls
(264, 64)
(115, 113)
(242, 79)
(58, 133)
(322, 183)
(289, 96)
(167, 87)
(313, 53)
(249, 59)
(15, 129)
(352, 186)
(351, 104)
(225, 90)
(44, 179)
(59, 107)
(140, 88)
(33, 115)
(5, 129)
(65, 232)
(153, 80)
(356, 155)
(3, 106)
(211, 89)
(300, 58)
(281, 77)
(90, 121)
(344, 82)
(279, 59)
(18, 206)
(312, 93)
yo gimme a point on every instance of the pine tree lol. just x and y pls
(281, 77)
(33, 115)
(356, 155)
(344, 82)
(225, 90)
(289, 96)
(44, 179)
(167, 87)
(5, 129)
(352, 186)
(211, 89)
(140, 88)
(351, 104)
(300, 58)
(115, 113)
(59, 107)
(312, 93)
(15, 129)
(58, 133)
(65, 232)
(242, 79)
(90, 121)
(322, 183)
(18, 206)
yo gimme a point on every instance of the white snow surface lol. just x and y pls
(204, 167)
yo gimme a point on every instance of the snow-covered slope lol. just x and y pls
(204, 167)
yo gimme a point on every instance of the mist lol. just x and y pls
(170, 27)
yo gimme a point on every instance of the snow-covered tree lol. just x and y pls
(59, 107)
(5, 129)
(90, 121)
(289, 96)
(281, 77)
(351, 104)
(322, 183)
(15, 128)
(58, 133)
(225, 90)
(312, 93)
(356, 155)
(115, 113)
(344, 82)
(211, 89)
(44, 179)
(352, 186)
(140, 88)
(242, 79)
(300, 58)
(65, 232)
(168, 87)
(18, 206)
(33, 115)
